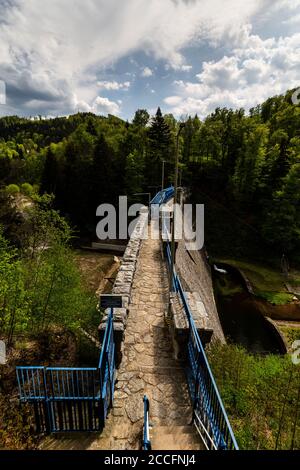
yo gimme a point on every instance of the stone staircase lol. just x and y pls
(175, 438)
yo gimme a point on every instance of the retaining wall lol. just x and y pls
(123, 286)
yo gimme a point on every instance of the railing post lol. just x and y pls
(146, 443)
(47, 405)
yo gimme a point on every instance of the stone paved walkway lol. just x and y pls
(148, 365)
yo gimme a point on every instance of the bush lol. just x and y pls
(12, 189)
(27, 189)
(261, 396)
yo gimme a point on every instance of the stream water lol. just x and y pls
(241, 319)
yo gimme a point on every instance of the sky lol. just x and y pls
(58, 57)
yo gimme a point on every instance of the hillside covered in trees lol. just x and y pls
(54, 173)
(246, 166)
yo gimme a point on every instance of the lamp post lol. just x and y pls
(181, 126)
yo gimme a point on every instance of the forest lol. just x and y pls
(247, 163)
(54, 173)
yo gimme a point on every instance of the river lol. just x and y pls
(241, 319)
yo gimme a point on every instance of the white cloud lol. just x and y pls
(105, 106)
(173, 100)
(293, 20)
(58, 46)
(255, 70)
(146, 72)
(182, 68)
(114, 85)
(186, 68)
(100, 105)
(48, 56)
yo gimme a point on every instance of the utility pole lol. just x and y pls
(149, 201)
(163, 175)
(181, 126)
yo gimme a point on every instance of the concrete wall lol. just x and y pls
(195, 275)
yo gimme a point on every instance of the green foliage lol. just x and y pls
(159, 149)
(248, 166)
(267, 281)
(12, 189)
(283, 226)
(134, 173)
(261, 396)
(276, 298)
(40, 283)
(291, 333)
(141, 118)
(27, 189)
(245, 165)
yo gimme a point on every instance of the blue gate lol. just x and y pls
(72, 398)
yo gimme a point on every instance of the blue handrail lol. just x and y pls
(163, 196)
(105, 349)
(205, 394)
(146, 445)
(72, 386)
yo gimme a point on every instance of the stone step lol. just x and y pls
(174, 430)
(77, 441)
(175, 438)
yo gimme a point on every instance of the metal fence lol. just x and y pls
(163, 196)
(210, 416)
(71, 398)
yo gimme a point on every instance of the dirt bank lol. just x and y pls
(287, 312)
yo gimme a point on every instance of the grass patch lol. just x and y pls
(275, 298)
(294, 280)
(267, 283)
(255, 391)
(291, 334)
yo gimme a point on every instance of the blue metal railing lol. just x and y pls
(71, 398)
(40, 383)
(146, 445)
(163, 196)
(210, 416)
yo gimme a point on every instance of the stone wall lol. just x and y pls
(123, 286)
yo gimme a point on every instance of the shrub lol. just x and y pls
(12, 189)
(27, 189)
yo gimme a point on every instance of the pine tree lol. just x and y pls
(160, 142)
